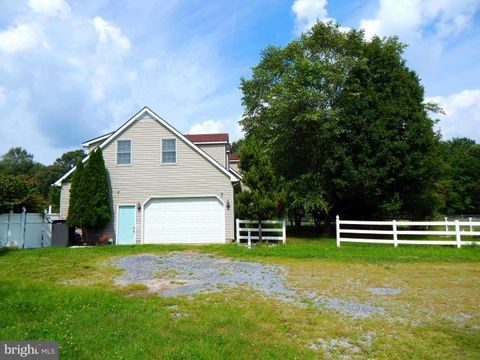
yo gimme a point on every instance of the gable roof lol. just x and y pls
(135, 117)
(236, 173)
(233, 157)
(206, 138)
(97, 139)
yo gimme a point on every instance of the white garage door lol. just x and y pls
(184, 220)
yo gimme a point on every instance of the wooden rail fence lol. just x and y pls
(270, 232)
(395, 229)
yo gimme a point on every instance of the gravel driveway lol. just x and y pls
(189, 273)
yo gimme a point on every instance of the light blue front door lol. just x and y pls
(126, 225)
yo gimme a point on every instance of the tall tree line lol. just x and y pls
(27, 183)
(345, 122)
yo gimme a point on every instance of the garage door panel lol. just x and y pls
(184, 220)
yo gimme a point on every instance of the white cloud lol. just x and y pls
(73, 63)
(207, 127)
(17, 38)
(150, 63)
(462, 114)
(49, 7)
(308, 12)
(238, 132)
(437, 33)
(3, 99)
(407, 18)
(80, 77)
(110, 34)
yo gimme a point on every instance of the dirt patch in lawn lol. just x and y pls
(418, 292)
(188, 273)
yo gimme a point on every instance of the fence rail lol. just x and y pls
(245, 232)
(452, 228)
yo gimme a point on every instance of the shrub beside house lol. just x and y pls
(89, 207)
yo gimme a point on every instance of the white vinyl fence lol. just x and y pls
(248, 230)
(25, 230)
(362, 229)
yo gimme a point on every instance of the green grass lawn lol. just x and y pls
(68, 295)
(325, 248)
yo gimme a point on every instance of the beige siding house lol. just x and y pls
(233, 160)
(165, 187)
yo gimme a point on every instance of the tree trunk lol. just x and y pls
(260, 231)
(329, 227)
(316, 219)
(84, 236)
(88, 236)
(298, 221)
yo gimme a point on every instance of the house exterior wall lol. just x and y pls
(64, 200)
(146, 177)
(216, 151)
(234, 166)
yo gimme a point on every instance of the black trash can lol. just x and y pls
(62, 234)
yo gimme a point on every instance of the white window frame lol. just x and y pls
(161, 152)
(131, 152)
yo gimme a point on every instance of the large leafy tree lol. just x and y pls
(89, 196)
(22, 179)
(460, 183)
(305, 196)
(263, 197)
(389, 149)
(344, 121)
(18, 192)
(235, 146)
(18, 161)
(68, 160)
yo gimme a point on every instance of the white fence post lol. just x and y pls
(9, 227)
(238, 230)
(23, 225)
(395, 235)
(249, 240)
(457, 233)
(446, 223)
(284, 232)
(338, 231)
(471, 226)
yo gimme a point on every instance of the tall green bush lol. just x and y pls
(90, 196)
(264, 196)
(75, 205)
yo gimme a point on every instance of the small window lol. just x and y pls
(169, 151)
(124, 152)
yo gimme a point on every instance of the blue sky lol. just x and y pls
(72, 70)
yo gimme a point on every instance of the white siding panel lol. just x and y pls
(234, 166)
(64, 200)
(216, 151)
